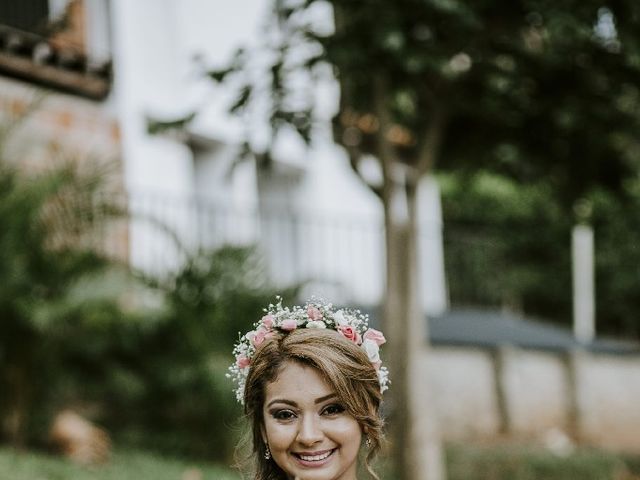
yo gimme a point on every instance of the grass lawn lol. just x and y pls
(524, 462)
(464, 462)
(123, 466)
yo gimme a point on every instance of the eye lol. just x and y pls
(333, 409)
(283, 415)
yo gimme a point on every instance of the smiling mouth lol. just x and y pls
(319, 457)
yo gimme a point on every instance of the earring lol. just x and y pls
(367, 441)
(267, 452)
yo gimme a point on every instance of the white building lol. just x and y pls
(310, 215)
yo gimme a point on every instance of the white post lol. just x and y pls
(583, 283)
(430, 248)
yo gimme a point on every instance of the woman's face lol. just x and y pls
(309, 432)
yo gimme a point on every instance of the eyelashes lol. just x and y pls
(283, 415)
(333, 409)
(286, 415)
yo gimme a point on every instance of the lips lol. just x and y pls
(311, 459)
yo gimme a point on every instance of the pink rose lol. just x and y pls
(375, 335)
(267, 321)
(349, 333)
(314, 313)
(242, 361)
(289, 325)
(259, 337)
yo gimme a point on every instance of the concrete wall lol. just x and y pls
(535, 389)
(609, 389)
(482, 394)
(463, 382)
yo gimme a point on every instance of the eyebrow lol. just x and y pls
(294, 404)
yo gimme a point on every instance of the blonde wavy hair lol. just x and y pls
(340, 362)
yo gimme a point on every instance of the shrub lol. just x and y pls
(180, 400)
(45, 253)
(508, 245)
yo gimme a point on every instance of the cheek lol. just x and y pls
(346, 431)
(279, 436)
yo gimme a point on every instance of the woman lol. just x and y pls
(311, 381)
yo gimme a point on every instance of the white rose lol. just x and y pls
(338, 317)
(383, 378)
(372, 349)
(316, 324)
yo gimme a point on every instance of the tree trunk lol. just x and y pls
(14, 405)
(416, 446)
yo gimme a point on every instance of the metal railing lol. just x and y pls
(340, 257)
(343, 256)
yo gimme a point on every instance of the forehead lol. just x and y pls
(297, 382)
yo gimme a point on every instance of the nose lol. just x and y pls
(309, 431)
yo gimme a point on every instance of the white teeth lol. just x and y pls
(315, 458)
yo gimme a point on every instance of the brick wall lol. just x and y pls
(52, 128)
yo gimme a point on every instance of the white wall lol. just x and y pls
(537, 392)
(592, 398)
(610, 390)
(464, 393)
(149, 80)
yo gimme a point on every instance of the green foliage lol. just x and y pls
(151, 375)
(174, 395)
(144, 357)
(156, 377)
(46, 251)
(526, 463)
(508, 245)
(530, 89)
(124, 465)
(157, 126)
(216, 295)
(617, 229)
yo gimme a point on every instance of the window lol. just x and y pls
(29, 15)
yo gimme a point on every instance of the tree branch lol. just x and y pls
(383, 148)
(430, 141)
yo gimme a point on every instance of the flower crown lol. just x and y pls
(352, 324)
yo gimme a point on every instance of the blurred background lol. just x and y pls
(168, 167)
